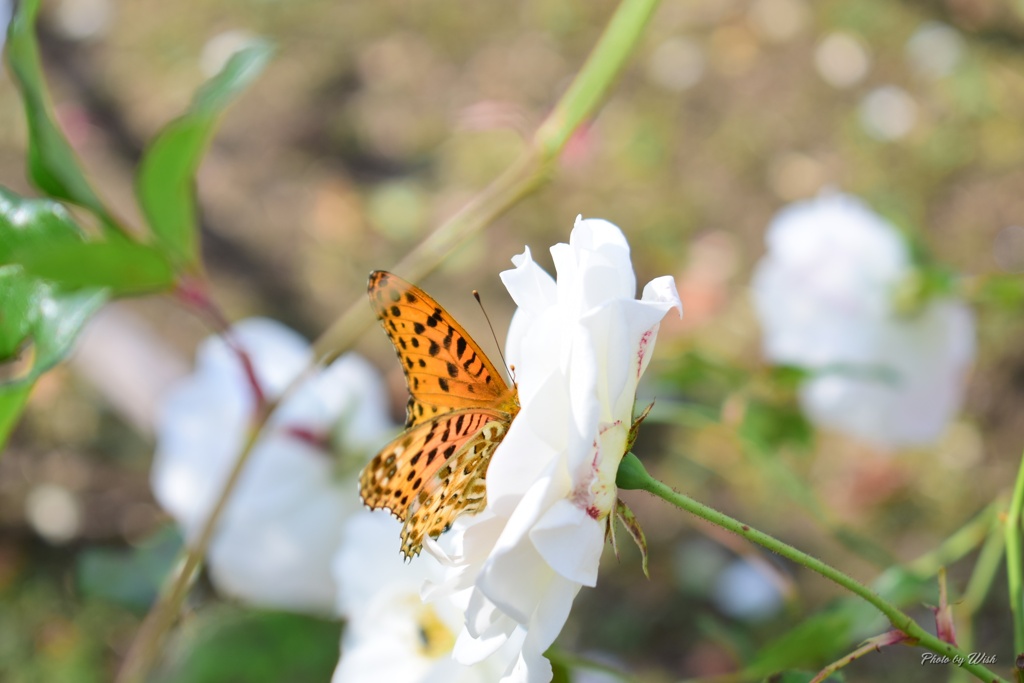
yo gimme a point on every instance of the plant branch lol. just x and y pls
(145, 648)
(528, 172)
(978, 586)
(633, 475)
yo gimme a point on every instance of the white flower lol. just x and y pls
(275, 540)
(391, 634)
(579, 347)
(746, 591)
(824, 293)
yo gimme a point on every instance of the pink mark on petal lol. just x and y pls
(582, 496)
(594, 512)
(645, 340)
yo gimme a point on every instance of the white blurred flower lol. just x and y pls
(275, 540)
(842, 60)
(84, 19)
(888, 113)
(824, 294)
(676, 65)
(391, 634)
(935, 49)
(778, 21)
(747, 592)
(579, 347)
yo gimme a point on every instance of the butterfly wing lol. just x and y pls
(459, 410)
(458, 488)
(433, 472)
(444, 368)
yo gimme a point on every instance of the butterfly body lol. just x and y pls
(459, 410)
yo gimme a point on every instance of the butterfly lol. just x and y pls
(459, 410)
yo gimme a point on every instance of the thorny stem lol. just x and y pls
(872, 645)
(953, 549)
(532, 169)
(637, 477)
(978, 586)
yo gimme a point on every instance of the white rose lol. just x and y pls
(391, 634)
(275, 540)
(579, 347)
(824, 294)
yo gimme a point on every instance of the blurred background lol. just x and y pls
(377, 120)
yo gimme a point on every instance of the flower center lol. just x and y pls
(436, 639)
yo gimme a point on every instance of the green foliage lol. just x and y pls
(706, 379)
(827, 635)
(52, 279)
(816, 640)
(769, 426)
(12, 401)
(1003, 291)
(256, 647)
(165, 183)
(130, 578)
(803, 677)
(561, 673)
(123, 267)
(52, 164)
(39, 321)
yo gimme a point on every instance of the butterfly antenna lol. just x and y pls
(510, 370)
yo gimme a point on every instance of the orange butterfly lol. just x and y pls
(459, 410)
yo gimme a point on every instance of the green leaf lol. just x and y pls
(706, 378)
(817, 640)
(124, 267)
(256, 647)
(12, 401)
(52, 164)
(560, 672)
(38, 320)
(129, 577)
(1003, 291)
(165, 185)
(831, 633)
(770, 427)
(805, 677)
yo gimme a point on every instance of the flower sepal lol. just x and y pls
(632, 524)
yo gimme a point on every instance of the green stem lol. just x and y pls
(1013, 561)
(145, 648)
(964, 540)
(533, 167)
(528, 172)
(594, 80)
(633, 475)
(985, 569)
